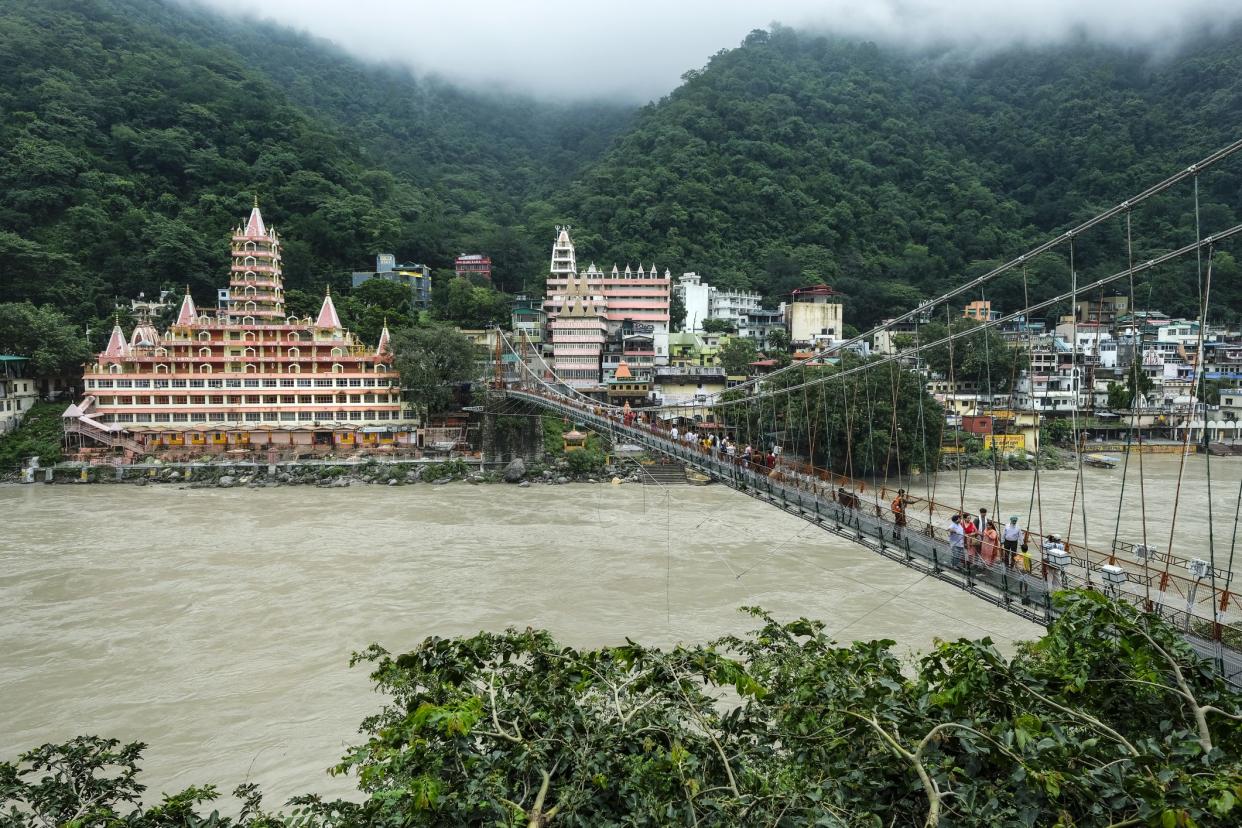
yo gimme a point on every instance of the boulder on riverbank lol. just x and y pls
(515, 471)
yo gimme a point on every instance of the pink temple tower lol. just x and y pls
(256, 291)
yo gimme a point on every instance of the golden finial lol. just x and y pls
(327, 290)
(256, 202)
(187, 289)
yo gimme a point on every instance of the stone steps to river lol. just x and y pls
(664, 474)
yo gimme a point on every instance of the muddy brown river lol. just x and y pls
(217, 624)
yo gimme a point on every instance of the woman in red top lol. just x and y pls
(972, 537)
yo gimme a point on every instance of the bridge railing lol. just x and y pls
(1022, 584)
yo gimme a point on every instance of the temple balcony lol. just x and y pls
(256, 268)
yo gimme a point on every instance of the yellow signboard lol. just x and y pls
(1006, 442)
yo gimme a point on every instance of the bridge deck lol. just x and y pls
(1025, 592)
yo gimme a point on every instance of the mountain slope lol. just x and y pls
(135, 133)
(799, 157)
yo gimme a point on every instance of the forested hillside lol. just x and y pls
(134, 133)
(799, 157)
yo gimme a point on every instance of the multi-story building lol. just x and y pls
(416, 277)
(578, 331)
(245, 376)
(740, 308)
(636, 301)
(474, 264)
(17, 392)
(1105, 310)
(735, 307)
(814, 317)
(696, 298)
(981, 310)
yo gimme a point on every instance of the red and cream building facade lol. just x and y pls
(245, 375)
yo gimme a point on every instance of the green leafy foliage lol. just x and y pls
(432, 359)
(40, 434)
(135, 133)
(891, 174)
(982, 357)
(718, 326)
(736, 355)
(54, 346)
(874, 421)
(1110, 719)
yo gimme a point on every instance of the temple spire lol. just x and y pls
(384, 346)
(117, 346)
(254, 226)
(188, 312)
(327, 313)
(564, 259)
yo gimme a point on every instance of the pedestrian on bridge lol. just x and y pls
(1010, 538)
(957, 542)
(899, 504)
(970, 532)
(990, 544)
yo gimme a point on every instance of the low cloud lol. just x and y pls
(637, 49)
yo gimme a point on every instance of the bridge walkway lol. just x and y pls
(919, 545)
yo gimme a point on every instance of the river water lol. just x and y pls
(216, 624)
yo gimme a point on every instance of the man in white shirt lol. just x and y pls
(957, 542)
(1011, 536)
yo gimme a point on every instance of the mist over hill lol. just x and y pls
(135, 133)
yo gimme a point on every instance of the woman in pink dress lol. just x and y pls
(990, 546)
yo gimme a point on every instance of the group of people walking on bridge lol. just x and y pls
(727, 450)
(976, 541)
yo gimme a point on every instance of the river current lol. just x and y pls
(216, 624)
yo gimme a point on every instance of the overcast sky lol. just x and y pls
(638, 49)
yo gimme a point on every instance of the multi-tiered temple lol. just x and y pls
(244, 377)
(585, 308)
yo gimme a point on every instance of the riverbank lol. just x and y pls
(224, 475)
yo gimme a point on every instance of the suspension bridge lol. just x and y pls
(843, 397)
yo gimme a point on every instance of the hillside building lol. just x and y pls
(814, 317)
(416, 277)
(628, 303)
(577, 330)
(245, 376)
(474, 266)
(740, 308)
(18, 393)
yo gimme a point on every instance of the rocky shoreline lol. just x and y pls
(227, 476)
(1049, 459)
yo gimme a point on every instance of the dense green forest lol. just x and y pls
(1108, 720)
(134, 133)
